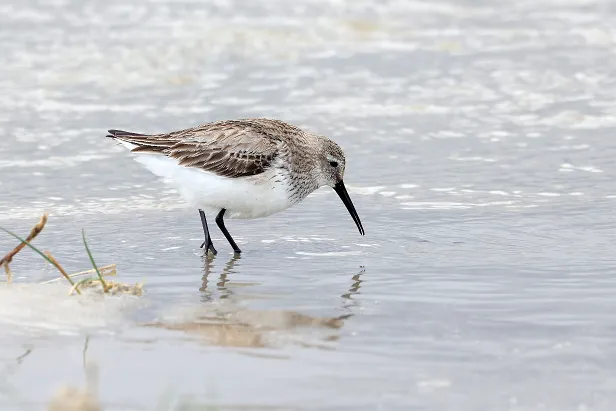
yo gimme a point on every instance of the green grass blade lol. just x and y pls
(29, 245)
(100, 277)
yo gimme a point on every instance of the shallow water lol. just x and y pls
(480, 157)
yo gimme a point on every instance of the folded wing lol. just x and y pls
(227, 149)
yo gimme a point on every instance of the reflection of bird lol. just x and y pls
(222, 281)
(356, 285)
(247, 168)
(348, 297)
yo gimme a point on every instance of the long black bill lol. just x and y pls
(344, 196)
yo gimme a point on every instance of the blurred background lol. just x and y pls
(480, 157)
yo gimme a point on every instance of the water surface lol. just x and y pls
(480, 157)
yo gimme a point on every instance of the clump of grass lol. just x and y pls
(107, 286)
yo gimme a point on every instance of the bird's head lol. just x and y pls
(331, 172)
(331, 164)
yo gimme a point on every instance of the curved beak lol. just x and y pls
(340, 189)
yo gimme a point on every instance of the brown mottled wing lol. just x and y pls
(226, 150)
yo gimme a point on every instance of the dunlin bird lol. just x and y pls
(246, 168)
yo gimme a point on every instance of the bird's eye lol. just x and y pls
(333, 163)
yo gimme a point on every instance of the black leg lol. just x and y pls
(209, 246)
(221, 224)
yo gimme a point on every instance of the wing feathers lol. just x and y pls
(229, 150)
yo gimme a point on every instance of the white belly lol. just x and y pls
(244, 197)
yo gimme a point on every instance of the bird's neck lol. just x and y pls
(300, 185)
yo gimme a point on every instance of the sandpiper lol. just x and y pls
(246, 168)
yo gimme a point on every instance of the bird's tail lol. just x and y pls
(137, 142)
(120, 134)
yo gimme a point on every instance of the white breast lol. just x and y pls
(244, 197)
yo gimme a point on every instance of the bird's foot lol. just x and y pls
(209, 247)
